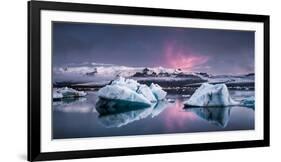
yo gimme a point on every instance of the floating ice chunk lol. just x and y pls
(129, 83)
(65, 92)
(146, 92)
(171, 100)
(132, 91)
(159, 93)
(117, 92)
(132, 84)
(57, 95)
(211, 95)
(249, 101)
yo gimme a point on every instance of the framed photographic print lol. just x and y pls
(114, 80)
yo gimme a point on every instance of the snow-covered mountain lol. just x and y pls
(115, 70)
(96, 74)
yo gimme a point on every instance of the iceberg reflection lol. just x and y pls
(73, 105)
(120, 113)
(214, 115)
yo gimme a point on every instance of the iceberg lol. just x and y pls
(208, 95)
(146, 92)
(65, 92)
(129, 90)
(57, 95)
(248, 102)
(122, 93)
(129, 83)
(159, 93)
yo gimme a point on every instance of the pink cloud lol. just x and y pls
(176, 111)
(178, 56)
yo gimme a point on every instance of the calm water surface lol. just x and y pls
(79, 118)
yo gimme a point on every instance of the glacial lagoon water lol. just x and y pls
(78, 118)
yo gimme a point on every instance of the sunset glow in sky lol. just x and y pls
(179, 57)
(204, 50)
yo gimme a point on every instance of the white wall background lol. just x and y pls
(13, 74)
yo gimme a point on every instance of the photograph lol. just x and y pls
(128, 80)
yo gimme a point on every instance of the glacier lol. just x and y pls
(65, 92)
(208, 95)
(129, 90)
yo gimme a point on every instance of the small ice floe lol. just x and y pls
(170, 100)
(130, 92)
(208, 95)
(248, 102)
(57, 95)
(185, 95)
(65, 92)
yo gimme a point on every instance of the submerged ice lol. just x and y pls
(208, 95)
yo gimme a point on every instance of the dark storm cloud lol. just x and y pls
(215, 51)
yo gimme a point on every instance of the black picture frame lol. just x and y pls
(34, 80)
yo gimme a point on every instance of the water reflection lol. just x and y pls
(111, 106)
(79, 119)
(118, 114)
(73, 105)
(214, 115)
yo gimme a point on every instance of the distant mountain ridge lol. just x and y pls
(101, 74)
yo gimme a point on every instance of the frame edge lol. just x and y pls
(33, 141)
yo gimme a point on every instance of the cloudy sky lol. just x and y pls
(204, 50)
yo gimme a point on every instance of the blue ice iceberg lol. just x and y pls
(248, 102)
(130, 93)
(147, 93)
(208, 95)
(122, 93)
(158, 91)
